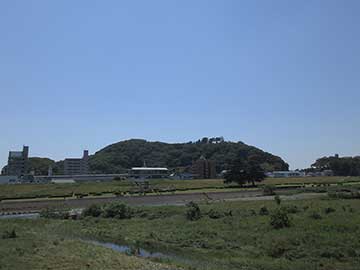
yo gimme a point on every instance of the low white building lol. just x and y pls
(62, 181)
(9, 179)
(285, 174)
(148, 173)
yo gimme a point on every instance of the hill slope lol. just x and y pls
(117, 157)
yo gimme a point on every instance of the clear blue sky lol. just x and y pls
(281, 75)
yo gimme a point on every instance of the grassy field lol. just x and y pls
(311, 180)
(117, 187)
(324, 234)
(98, 188)
(37, 248)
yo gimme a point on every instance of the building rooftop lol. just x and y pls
(148, 169)
(16, 154)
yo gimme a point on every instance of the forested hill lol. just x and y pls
(341, 166)
(123, 155)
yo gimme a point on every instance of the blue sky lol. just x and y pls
(281, 75)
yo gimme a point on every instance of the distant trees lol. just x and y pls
(243, 172)
(41, 166)
(346, 166)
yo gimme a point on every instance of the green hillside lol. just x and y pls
(118, 157)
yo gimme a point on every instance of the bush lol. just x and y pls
(263, 211)
(268, 190)
(54, 214)
(277, 248)
(329, 210)
(344, 194)
(92, 211)
(291, 209)
(315, 215)
(215, 214)
(277, 199)
(117, 210)
(332, 253)
(280, 219)
(9, 234)
(193, 211)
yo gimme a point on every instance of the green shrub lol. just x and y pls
(277, 248)
(93, 210)
(345, 194)
(215, 214)
(54, 214)
(315, 215)
(263, 211)
(193, 211)
(268, 190)
(277, 199)
(280, 219)
(291, 209)
(9, 234)
(332, 253)
(329, 210)
(117, 210)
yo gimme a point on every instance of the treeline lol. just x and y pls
(119, 157)
(341, 166)
(40, 166)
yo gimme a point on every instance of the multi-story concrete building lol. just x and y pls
(18, 162)
(77, 166)
(203, 168)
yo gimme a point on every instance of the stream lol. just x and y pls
(141, 252)
(129, 250)
(20, 216)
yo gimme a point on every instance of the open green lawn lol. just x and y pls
(324, 234)
(101, 188)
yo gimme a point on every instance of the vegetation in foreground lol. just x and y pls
(313, 234)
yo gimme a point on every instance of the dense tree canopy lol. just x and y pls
(344, 166)
(126, 154)
(242, 172)
(40, 166)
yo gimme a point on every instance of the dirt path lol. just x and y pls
(175, 199)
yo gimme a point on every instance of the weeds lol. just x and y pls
(280, 219)
(315, 215)
(193, 211)
(269, 190)
(9, 234)
(277, 199)
(92, 211)
(263, 211)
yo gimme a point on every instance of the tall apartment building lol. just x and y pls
(77, 166)
(18, 162)
(203, 168)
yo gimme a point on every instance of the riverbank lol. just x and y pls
(323, 234)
